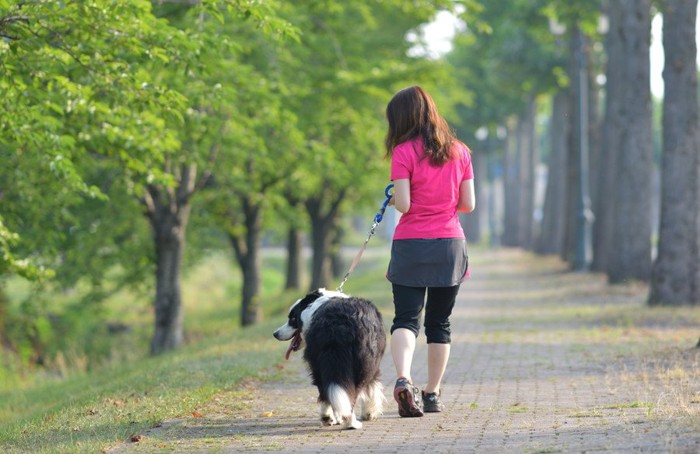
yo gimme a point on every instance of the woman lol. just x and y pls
(433, 180)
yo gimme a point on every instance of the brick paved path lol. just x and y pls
(529, 372)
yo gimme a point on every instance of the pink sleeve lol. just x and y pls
(468, 169)
(400, 167)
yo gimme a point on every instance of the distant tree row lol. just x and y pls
(586, 64)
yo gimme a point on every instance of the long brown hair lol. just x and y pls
(412, 113)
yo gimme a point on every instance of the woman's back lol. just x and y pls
(434, 191)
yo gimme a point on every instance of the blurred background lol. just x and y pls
(238, 147)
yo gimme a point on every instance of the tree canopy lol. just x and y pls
(130, 129)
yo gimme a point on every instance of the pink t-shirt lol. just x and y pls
(434, 191)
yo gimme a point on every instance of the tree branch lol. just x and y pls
(9, 20)
(239, 247)
(149, 201)
(187, 183)
(213, 152)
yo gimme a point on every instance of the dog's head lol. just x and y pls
(300, 315)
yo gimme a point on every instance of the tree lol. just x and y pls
(259, 144)
(553, 229)
(630, 249)
(295, 238)
(80, 110)
(213, 80)
(528, 157)
(341, 91)
(255, 171)
(86, 82)
(72, 92)
(611, 142)
(508, 65)
(675, 278)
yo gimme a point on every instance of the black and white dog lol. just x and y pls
(345, 341)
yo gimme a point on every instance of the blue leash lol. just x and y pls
(380, 214)
(377, 219)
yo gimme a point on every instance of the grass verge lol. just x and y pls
(90, 411)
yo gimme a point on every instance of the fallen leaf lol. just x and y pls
(197, 414)
(118, 403)
(267, 414)
(135, 438)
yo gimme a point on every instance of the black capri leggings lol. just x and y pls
(409, 302)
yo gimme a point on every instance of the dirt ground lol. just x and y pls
(543, 361)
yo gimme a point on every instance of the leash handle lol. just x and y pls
(377, 219)
(387, 192)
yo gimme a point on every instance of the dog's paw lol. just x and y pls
(327, 421)
(352, 423)
(327, 416)
(370, 417)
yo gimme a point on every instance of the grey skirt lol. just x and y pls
(440, 262)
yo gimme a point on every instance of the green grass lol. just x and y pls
(81, 341)
(94, 410)
(517, 408)
(636, 404)
(91, 409)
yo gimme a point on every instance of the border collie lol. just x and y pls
(345, 341)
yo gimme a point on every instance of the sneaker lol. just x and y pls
(408, 398)
(432, 402)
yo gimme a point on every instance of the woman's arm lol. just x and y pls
(467, 200)
(402, 195)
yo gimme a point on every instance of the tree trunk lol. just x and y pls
(4, 304)
(322, 214)
(676, 272)
(630, 249)
(336, 251)
(606, 197)
(168, 212)
(520, 179)
(247, 250)
(471, 222)
(169, 242)
(571, 171)
(321, 275)
(528, 157)
(578, 219)
(511, 174)
(594, 134)
(551, 238)
(295, 258)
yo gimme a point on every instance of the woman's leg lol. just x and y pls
(438, 355)
(438, 309)
(403, 344)
(408, 304)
